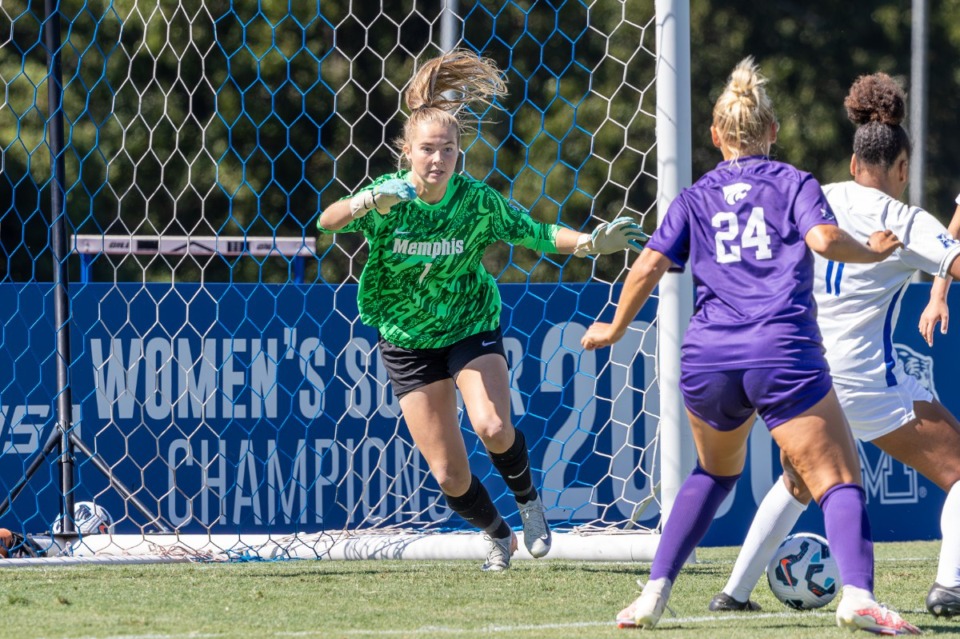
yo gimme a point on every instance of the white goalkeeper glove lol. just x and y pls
(610, 237)
(382, 197)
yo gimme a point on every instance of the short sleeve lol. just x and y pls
(515, 225)
(927, 245)
(672, 237)
(810, 208)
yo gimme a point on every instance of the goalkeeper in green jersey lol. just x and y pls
(436, 308)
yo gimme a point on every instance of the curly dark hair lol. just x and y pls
(877, 104)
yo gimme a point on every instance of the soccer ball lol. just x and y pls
(88, 518)
(803, 574)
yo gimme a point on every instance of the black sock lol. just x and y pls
(476, 507)
(514, 467)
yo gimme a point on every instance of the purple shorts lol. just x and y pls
(726, 399)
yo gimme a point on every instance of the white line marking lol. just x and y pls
(444, 630)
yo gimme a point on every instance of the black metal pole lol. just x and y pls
(52, 444)
(58, 247)
(157, 521)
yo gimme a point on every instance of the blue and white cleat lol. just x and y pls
(536, 531)
(498, 556)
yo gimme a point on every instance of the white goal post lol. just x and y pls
(250, 416)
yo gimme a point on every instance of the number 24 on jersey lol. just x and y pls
(730, 241)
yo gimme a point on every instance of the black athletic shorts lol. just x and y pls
(411, 368)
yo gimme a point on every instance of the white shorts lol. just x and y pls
(874, 412)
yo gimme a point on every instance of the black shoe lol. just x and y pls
(725, 603)
(943, 601)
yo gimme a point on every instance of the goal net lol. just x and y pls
(225, 402)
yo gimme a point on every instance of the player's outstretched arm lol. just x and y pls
(645, 274)
(835, 244)
(608, 237)
(381, 197)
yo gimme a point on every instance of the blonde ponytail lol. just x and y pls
(441, 88)
(743, 114)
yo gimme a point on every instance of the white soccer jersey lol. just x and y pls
(858, 304)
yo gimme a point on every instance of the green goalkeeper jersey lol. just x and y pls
(424, 285)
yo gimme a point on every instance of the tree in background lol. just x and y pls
(247, 117)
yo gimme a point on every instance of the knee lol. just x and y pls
(495, 433)
(453, 481)
(795, 486)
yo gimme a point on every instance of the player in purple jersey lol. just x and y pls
(753, 345)
(883, 403)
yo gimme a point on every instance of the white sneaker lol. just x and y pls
(498, 557)
(646, 611)
(536, 531)
(859, 612)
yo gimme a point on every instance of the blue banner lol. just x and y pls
(257, 408)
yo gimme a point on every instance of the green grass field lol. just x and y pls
(303, 599)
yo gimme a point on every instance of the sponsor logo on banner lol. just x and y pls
(917, 365)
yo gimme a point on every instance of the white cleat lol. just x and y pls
(498, 557)
(536, 531)
(857, 612)
(647, 609)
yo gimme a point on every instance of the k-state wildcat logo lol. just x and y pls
(735, 192)
(920, 366)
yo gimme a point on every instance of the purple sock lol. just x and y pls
(693, 511)
(848, 531)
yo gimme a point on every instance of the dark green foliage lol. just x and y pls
(247, 117)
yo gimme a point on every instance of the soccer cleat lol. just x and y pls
(647, 609)
(944, 601)
(858, 613)
(536, 531)
(498, 557)
(725, 603)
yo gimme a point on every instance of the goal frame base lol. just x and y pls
(350, 545)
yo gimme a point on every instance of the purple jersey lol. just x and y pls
(742, 228)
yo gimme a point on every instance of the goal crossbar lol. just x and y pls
(295, 249)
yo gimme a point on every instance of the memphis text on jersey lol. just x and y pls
(428, 249)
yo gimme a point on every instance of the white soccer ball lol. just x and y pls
(88, 518)
(803, 574)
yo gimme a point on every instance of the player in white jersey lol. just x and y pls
(858, 305)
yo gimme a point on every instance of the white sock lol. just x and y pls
(777, 515)
(661, 587)
(858, 596)
(948, 572)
